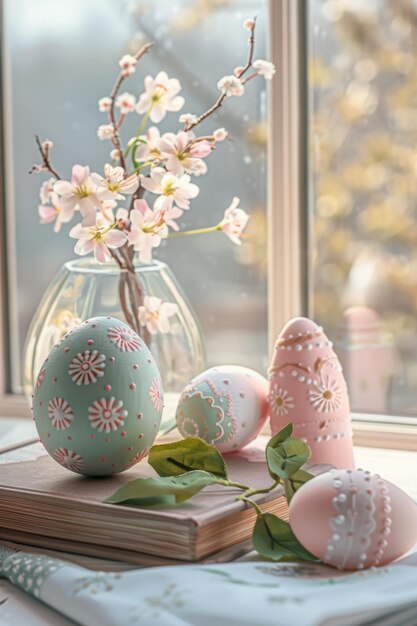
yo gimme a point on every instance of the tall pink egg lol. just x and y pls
(307, 388)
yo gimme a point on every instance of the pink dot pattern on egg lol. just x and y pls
(307, 388)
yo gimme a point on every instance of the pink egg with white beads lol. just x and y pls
(353, 520)
(307, 388)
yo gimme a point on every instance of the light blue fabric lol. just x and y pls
(239, 594)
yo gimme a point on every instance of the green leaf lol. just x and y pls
(280, 437)
(187, 455)
(285, 454)
(157, 490)
(297, 480)
(273, 538)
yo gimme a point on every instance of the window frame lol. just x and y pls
(287, 231)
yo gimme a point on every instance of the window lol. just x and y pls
(60, 58)
(362, 67)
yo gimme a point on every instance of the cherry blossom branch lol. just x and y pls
(46, 164)
(114, 92)
(251, 43)
(222, 97)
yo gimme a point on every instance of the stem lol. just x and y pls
(253, 504)
(122, 297)
(114, 92)
(197, 231)
(232, 483)
(143, 122)
(253, 492)
(45, 159)
(222, 97)
(116, 258)
(251, 49)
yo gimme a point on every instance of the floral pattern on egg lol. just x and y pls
(90, 392)
(307, 388)
(226, 406)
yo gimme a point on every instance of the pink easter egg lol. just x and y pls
(307, 388)
(352, 519)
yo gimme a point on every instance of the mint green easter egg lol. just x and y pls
(98, 399)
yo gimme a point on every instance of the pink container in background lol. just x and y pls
(307, 388)
(369, 359)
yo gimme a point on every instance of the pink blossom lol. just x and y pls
(234, 221)
(98, 239)
(46, 190)
(81, 193)
(264, 68)
(126, 102)
(104, 104)
(115, 154)
(187, 118)
(220, 134)
(160, 96)
(148, 228)
(47, 145)
(114, 182)
(181, 154)
(105, 131)
(128, 64)
(249, 24)
(155, 314)
(148, 148)
(54, 212)
(170, 188)
(230, 86)
(122, 218)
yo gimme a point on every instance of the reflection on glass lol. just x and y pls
(64, 54)
(362, 58)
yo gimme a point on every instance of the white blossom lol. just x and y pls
(128, 64)
(249, 24)
(264, 68)
(160, 96)
(170, 188)
(234, 222)
(104, 104)
(148, 228)
(220, 134)
(230, 86)
(155, 314)
(46, 190)
(187, 118)
(126, 102)
(80, 193)
(99, 239)
(105, 131)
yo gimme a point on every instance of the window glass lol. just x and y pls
(362, 69)
(61, 57)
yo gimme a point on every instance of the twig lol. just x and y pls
(222, 97)
(117, 259)
(114, 92)
(251, 43)
(45, 160)
(122, 297)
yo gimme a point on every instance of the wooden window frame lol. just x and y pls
(287, 207)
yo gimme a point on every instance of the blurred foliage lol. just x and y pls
(363, 137)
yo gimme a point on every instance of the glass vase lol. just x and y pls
(84, 288)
